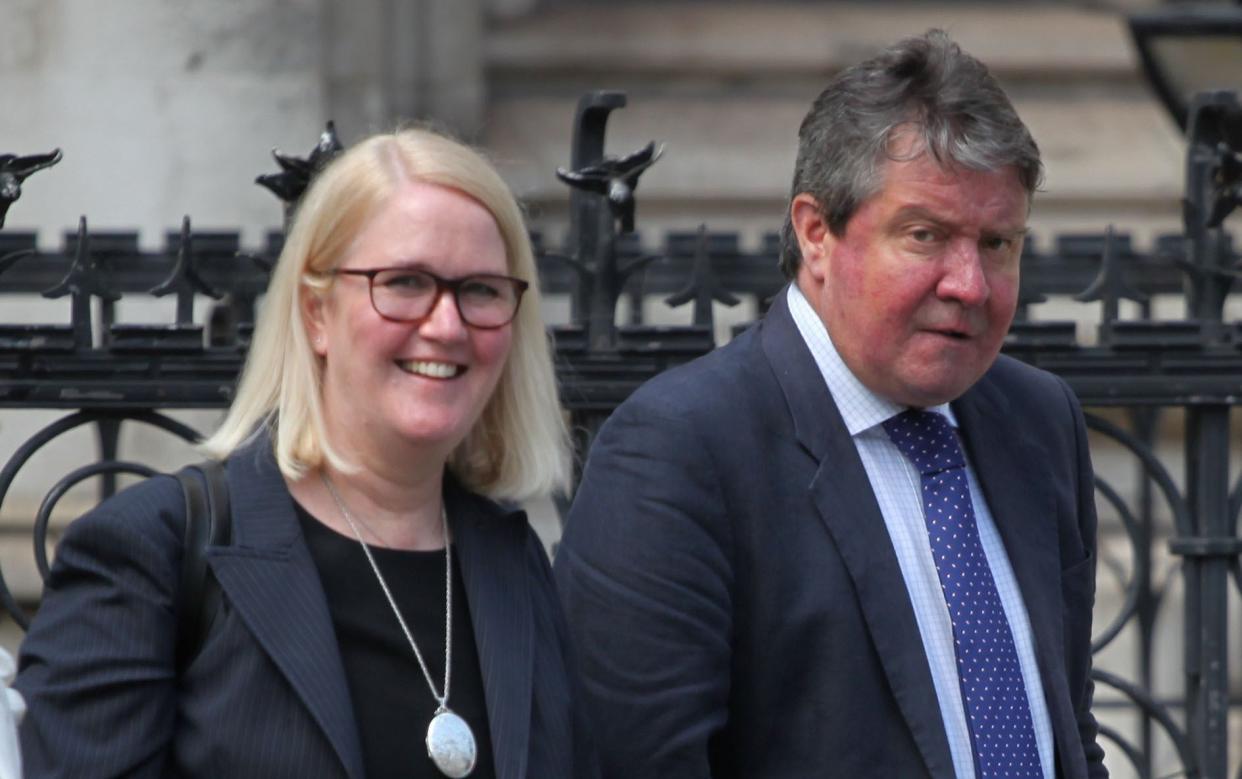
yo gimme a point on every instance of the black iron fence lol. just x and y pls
(107, 373)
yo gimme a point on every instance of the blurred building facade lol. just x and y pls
(167, 107)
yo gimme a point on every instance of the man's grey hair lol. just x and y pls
(924, 88)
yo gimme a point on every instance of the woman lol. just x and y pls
(384, 615)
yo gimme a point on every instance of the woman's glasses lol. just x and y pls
(484, 300)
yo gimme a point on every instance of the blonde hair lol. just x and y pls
(519, 447)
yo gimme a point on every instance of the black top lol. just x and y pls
(392, 703)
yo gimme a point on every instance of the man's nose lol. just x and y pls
(964, 279)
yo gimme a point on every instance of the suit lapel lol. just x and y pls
(489, 548)
(270, 579)
(846, 504)
(1014, 474)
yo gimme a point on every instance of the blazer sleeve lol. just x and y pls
(97, 668)
(645, 573)
(1080, 655)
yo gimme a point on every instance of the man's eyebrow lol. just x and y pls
(1013, 235)
(1010, 235)
(920, 212)
(909, 212)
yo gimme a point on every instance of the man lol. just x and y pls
(854, 542)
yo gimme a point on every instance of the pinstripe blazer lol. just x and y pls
(267, 695)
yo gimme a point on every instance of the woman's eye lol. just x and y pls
(408, 282)
(479, 289)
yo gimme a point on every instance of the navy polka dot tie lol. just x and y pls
(997, 711)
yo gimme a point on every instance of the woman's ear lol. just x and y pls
(314, 319)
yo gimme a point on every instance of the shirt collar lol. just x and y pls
(861, 409)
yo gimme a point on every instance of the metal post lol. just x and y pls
(109, 439)
(1207, 580)
(591, 233)
(1145, 429)
(1212, 179)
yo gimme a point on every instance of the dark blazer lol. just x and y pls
(267, 695)
(736, 601)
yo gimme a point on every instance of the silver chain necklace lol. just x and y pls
(450, 742)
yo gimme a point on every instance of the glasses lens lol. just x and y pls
(403, 294)
(488, 301)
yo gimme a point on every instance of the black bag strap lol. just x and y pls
(207, 522)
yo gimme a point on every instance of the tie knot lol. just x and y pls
(926, 439)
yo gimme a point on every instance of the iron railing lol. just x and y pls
(119, 373)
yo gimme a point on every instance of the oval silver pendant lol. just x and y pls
(450, 744)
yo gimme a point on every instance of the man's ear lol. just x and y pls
(814, 238)
(312, 303)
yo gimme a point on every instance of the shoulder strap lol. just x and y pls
(207, 522)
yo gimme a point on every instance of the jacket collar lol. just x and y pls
(270, 578)
(841, 492)
(1014, 473)
(490, 542)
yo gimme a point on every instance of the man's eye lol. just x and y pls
(923, 235)
(996, 243)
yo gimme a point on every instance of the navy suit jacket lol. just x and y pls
(736, 601)
(267, 694)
